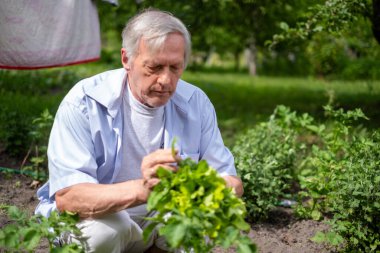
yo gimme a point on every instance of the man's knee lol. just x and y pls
(112, 233)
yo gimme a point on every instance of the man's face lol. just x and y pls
(153, 75)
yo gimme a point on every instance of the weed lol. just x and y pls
(39, 135)
(24, 233)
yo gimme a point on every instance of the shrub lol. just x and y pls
(356, 199)
(336, 165)
(362, 69)
(266, 158)
(323, 164)
(23, 95)
(341, 177)
(12, 131)
(16, 116)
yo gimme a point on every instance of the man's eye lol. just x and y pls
(175, 68)
(155, 68)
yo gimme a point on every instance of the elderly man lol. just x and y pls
(114, 130)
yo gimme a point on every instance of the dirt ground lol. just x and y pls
(282, 233)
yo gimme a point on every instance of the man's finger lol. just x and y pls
(160, 156)
(150, 183)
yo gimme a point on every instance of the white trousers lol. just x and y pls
(116, 233)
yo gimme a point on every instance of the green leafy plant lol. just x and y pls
(356, 200)
(325, 163)
(341, 177)
(23, 96)
(12, 129)
(196, 211)
(39, 135)
(333, 16)
(24, 233)
(266, 158)
(335, 163)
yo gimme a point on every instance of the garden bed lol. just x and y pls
(282, 232)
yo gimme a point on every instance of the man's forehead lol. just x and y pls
(159, 54)
(162, 61)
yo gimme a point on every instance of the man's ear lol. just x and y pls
(124, 59)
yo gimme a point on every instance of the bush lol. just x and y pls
(341, 177)
(362, 69)
(336, 165)
(23, 96)
(266, 159)
(356, 201)
(327, 55)
(13, 129)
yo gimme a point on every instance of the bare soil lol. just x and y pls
(281, 233)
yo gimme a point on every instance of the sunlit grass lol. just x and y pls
(241, 101)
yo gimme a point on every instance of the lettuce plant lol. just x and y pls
(196, 211)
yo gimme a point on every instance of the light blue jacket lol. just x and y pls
(85, 141)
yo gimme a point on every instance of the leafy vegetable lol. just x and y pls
(196, 211)
(25, 233)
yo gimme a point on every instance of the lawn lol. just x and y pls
(241, 101)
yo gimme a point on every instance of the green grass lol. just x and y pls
(241, 101)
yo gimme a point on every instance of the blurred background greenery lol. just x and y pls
(248, 55)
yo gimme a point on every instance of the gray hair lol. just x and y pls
(153, 26)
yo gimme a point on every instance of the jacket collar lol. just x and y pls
(108, 88)
(181, 97)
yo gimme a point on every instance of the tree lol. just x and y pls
(332, 16)
(230, 27)
(221, 26)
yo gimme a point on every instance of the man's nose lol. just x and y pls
(164, 77)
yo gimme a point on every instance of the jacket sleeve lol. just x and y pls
(212, 148)
(71, 154)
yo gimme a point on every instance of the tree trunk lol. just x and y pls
(237, 60)
(250, 54)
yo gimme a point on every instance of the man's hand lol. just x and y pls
(235, 183)
(150, 164)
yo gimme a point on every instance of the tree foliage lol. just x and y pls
(331, 16)
(231, 28)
